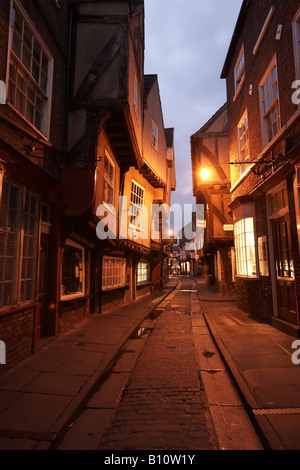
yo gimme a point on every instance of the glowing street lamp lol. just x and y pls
(205, 173)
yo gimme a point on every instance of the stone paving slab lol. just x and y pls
(258, 357)
(40, 396)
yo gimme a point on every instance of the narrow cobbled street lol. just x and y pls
(163, 406)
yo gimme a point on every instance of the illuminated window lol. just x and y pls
(143, 272)
(113, 272)
(244, 242)
(263, 256)
(109, 179)
(243, 143)
(73, 271)
(30, 76)
(270, 104)
(154, 135)
(136, 205)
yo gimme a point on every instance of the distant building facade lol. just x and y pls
(211, 186)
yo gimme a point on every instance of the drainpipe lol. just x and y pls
(72, 4)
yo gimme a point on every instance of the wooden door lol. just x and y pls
(285, 279)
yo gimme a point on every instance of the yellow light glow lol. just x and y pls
(170, 232)
(205, 173)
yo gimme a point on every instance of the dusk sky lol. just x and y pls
(186, 46)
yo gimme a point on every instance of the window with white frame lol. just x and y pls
(73, 271)
(263, 256)
(136, 209)
(19, 224)
(154, 135)
(239, 71)
(243, 143)
(136, 96)
(143, 272)
(30, 71)
(270, 104)
(245, 252)
(296, 40)
(113, 272)
(109, 179)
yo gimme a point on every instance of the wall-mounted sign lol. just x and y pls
(228, 228)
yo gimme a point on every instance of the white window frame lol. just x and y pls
(241, 131)
(296, 40)
(22, 249)
(239, 75)
(143, 272)
(21, 69)
(263, 256)
(110, 183)
(137, 207)
(113, 273)
(80, 293)
(243, 241)
(136, 96)
(275, 103)
(263, 31)
(154, 136)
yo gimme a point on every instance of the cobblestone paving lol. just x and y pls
(163, 406)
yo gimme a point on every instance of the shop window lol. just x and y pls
(19, 222)
(143, 272)
(73, 271)
(113, 273)
(244, 242)
(30, 72)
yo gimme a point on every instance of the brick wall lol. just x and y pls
(112, 299)
(71, 313)
(17, 333)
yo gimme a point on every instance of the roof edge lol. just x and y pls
(235, 37)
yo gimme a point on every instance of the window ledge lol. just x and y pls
(66, 298)
(109, 289)
(17, 308)
(144, 284)
(247, 278)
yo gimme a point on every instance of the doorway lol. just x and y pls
(284, 268)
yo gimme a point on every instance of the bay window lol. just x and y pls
(245, 251)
